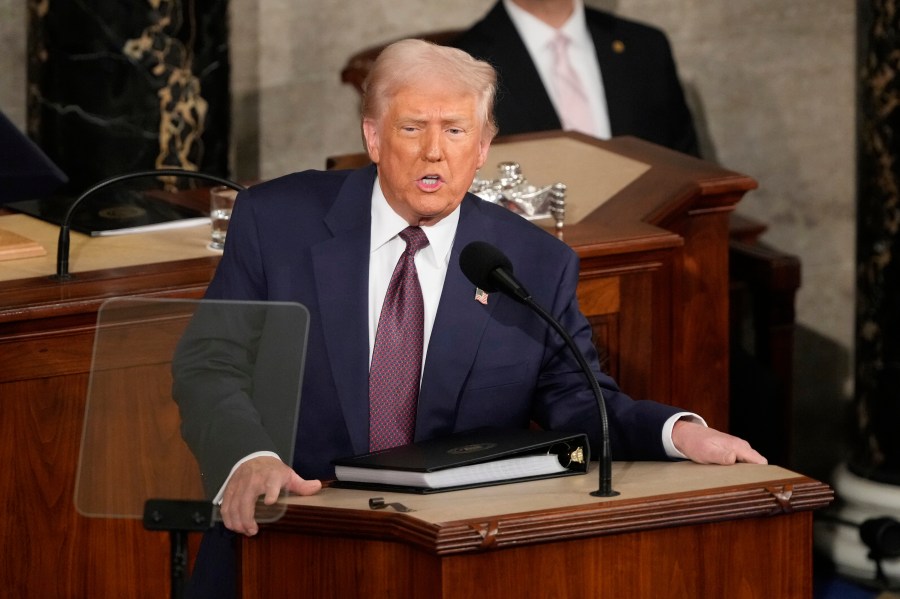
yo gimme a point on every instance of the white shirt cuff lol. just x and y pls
(217, 500)
(668, 444)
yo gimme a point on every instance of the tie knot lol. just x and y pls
(415, 239)
(561, 43)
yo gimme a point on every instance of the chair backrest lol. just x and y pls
(358, 66)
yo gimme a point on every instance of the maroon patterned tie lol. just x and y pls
(397, 355)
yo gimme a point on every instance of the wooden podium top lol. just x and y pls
(592, 173)
(171, 263)
(652, 495)
(88, 253)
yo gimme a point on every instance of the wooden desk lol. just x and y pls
(676, 530)
(46, 338)
(100, 253)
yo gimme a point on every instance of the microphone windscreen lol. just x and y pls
(479, 260)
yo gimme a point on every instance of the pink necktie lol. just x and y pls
(575, 110)
(397, 355)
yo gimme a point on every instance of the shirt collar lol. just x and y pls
(387, 224)
(537, 35)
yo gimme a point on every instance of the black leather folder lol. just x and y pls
(476, 458)
(114, 212)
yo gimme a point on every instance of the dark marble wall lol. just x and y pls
(122, 85)
(877, 453)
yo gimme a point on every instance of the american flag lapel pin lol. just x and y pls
(480, 296)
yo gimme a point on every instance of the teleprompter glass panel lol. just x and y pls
(235, 369)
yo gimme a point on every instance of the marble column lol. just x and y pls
(116, 86)
(877, 399)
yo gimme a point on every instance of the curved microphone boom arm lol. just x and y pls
(62, 246)
(491, 270)
(605, 484)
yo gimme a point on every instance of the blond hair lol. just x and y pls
(408, 62)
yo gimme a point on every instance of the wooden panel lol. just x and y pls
(628, 299)
(49, 549)
(132, 449)
(606, 340)
(706, 300)
(44, 304)
(730, 559)
(340, 568)
(38, 355)
(600, 300)
(598, 296)
(746, 557)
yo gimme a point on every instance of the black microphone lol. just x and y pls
(490, 270)
(62, 245)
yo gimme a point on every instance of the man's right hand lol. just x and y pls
(263, 476)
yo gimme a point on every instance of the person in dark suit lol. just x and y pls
(330, 240)
(627, 68)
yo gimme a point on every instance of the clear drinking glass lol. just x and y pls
(221, 202)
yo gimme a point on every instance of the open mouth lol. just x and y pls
(430, 182)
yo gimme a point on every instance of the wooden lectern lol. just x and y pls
(677, 530)
(654, 260)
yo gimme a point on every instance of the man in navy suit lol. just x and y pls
(627, 69)
(329, 240)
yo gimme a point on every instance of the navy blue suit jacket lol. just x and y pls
(643, 93)
(305, 238)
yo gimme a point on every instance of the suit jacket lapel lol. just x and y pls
(341, 272)
(341, 269)
(457, 331)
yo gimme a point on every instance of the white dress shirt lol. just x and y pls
(385, 250)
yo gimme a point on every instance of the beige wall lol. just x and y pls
(771, 83)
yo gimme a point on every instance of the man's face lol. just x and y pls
(428, 146)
